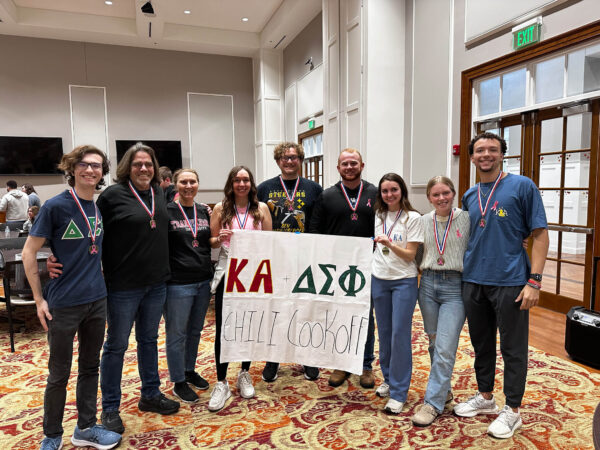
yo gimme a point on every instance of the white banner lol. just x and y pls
(300, 298)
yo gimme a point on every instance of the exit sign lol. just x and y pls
(311, 124)
(526, 34)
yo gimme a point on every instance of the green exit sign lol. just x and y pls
(311, 124)
(528, 35)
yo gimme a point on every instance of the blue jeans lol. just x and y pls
(144, 306)
(441, 303)
(395, 302)
(184, 311)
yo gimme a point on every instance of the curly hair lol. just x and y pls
(284, 146)
(228, 202)
(487, 135)
(381, 208)
(124, 166)
(70, 160)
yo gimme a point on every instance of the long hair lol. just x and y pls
(229, 198)
(124, 166)
(28, 188)
(381, 208)
(71, 159)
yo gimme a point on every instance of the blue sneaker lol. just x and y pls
(96, 436)
(49, 443)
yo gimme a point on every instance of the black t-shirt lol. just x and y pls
(293, 217)
(170, 193)
(133, 254)
(332, 214)
(189, 264)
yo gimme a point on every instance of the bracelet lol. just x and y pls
(534, 285)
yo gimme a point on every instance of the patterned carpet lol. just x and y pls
(293, 413)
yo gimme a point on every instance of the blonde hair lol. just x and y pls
(439, 179)
(350, 150)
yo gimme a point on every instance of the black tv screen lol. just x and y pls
(168, 153)
(21, 155)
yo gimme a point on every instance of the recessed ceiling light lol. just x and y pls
(108, 2)
(187, 11)
(244, 19)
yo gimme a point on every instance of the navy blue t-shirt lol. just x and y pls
(495, 255)
(61, 222)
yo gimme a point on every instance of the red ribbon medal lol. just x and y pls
(354, 215)
(441, 247)
(388, 233)
(93, 250)
(289, 203)
(193, 229)
(150, 213)
(482, 221)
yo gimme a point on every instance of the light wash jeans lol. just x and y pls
(394, 302)
(440, 300)
(185, 310)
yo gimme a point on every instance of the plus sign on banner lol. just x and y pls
(300, 298)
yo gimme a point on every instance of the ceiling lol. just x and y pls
(212, 26)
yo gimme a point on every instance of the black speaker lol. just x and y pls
(582, 335)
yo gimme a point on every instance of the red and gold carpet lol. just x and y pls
(293, 413)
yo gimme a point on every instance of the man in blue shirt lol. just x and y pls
(74, 303)
(500, 285)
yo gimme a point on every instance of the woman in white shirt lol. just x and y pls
(398, 232)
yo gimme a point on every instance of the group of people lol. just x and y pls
(156, 260)
(21, 205)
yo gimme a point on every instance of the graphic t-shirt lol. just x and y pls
(292, 216)
(61, 222)
(495, 255)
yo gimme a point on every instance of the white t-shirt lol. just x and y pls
(408, 228)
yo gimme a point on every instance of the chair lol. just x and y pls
(16, 289)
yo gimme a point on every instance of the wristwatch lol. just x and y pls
(536, 277)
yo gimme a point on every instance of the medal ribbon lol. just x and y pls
(442, 248)
(87, 221)
(389, 232)
(353, 208)
(487, 203)
(291, 199)
(242, 224)
(193, 229)
(150, 213)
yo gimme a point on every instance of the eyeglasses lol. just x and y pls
(139, 165)
(291, 158)
(84, 165)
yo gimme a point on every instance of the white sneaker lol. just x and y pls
(219, 396)
(394, 406)
(383, 390)
(505, 424)
(244, 384)
(476, 405)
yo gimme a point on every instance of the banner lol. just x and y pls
(300, 298)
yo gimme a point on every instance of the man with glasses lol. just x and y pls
(290, 199)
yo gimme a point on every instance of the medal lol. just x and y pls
(139, 199)
(289, 203)
(388, 233)
(354, 215)
(385, 251)
(93, 249)
(482, 210)
(441, 247)
(241, 223)
(193, 229)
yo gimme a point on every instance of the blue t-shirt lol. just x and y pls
(495, 254)
(61, 222)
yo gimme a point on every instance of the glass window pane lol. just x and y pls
(575, 208)
(571, 280)
(512, 165)
(549, 79)
(549, 277)
(577, 170)
(552, 131)
(512, 136)
(579, 131)
(583, 70)
(573, 247)
(489, 96)
(513, 89)
(551, 200)
(549, 171)
(319, 144)
(553, 248)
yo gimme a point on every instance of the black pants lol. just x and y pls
(491, 308)
(88, 322)
(221, 367)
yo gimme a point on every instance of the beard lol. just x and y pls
(352, 177)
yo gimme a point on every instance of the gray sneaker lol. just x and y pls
(383, 390)
(505, 424)
(219, 396)
(476, 405)
(244, 384)
(424, 415)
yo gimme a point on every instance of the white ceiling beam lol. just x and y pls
(289, 20)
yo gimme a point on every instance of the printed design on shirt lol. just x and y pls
(458, 233)
(92, 223)
(202, 224)
(396, 237)
(369, 202)
(500, 212)
(285, 219)
(73, 232)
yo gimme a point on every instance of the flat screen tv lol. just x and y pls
(21, 155)
(168, 153)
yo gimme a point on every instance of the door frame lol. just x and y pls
(558, 43)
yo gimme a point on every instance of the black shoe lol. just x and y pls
(112, 421)
(196, 380)
(184, 392)
(159, 404)
(311, 373)
(270, 372)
